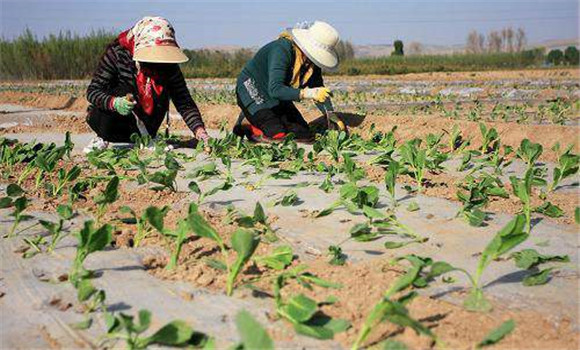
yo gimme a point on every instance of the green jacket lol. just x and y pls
(265, 79)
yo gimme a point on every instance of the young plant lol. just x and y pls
(475, 192)
(529, 152)
(568, 164)
(252, 334)
(530, 260)
(89, 240)
(504, 241)
(390, 180)
(15, 198)
(243, 242)
(489, 139)
(281, 257)
(109, 195)
(151, 218)
(176, 333)
(65, 212)
(522, 189)
(64, 179)
(353, 198)
(394, 311)
(415, 160)
(194, 187)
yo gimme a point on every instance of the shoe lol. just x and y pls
(96, 144)
(258, 135)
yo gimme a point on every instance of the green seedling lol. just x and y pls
(529, 152)
(302, 312)
(353, 198)
(352, 171)
(252, 334)
(302, 277)
(151, 218)
(65, 212)
(497, 334)
(89, 240)
(204, 172)
(504, 241)
(490, 139)
(395, 311)
(550, 210)
(15, 198)
(568, 164)
(522, 189)
(34, 246)
(243, 242)
(279, 259)
(65, 178)
(334, 142)
(109, 196)
(176, 333)
(530, 259)
(391, 180)
(474, 193)
(456, 143)
(194, 187)
(390, 224)
(337, 257)
(165, 179)
(415, 160)
(288, 199)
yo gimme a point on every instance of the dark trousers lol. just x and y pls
(283, 118)
(111, 126)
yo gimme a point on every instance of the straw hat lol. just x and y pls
(318, 42)
(155, 42)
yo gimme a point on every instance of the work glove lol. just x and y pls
(320, 94)
(123, 106)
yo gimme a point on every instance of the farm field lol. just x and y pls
(447, 219)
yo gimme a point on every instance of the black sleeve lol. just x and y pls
(107, 72)
(182, 99)
(316, 79)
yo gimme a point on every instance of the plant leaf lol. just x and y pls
(497, 334)
(173, 334)
(538, 278)
(253, 335)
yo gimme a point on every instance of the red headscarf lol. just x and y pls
(148, 80)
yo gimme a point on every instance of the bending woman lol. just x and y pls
(286, 70)
(135, 79)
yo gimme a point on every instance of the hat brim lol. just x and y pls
(323, 58)
(160, 54)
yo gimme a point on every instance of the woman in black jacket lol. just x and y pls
(136, 78)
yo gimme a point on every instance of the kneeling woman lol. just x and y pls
(135, 79)
(286, 70)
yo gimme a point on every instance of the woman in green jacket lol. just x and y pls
(286, 70)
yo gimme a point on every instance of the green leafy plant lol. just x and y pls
(490, 139)
(353, 198)
(568, 164)
(65, 212)
(290, 198)
(175, 333)
(522, 189)
(243, 242)
(529, 152)
(15, 198)
(337, 257)
(107, 197)
(281, 257)
(252, 334)
(497, 334)
(415, 160)
(390, 180)
(504, 241)
(151, 218)
(394, 311)
(90, 240)
(474, 193)
(530, 259)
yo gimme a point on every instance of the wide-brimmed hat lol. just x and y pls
(155, 42)
(318, 42)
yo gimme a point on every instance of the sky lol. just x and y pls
(251, 23)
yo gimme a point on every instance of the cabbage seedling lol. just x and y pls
(152, 217)
(568, 164)
(64, 179)
(243, 242)
(415, 159)
(490, 138)
(522, 188)
(109, 195)
(529, 152)
(89, 240)
(175, 333)
(65, 212)
(390, 180)
(15, 198)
